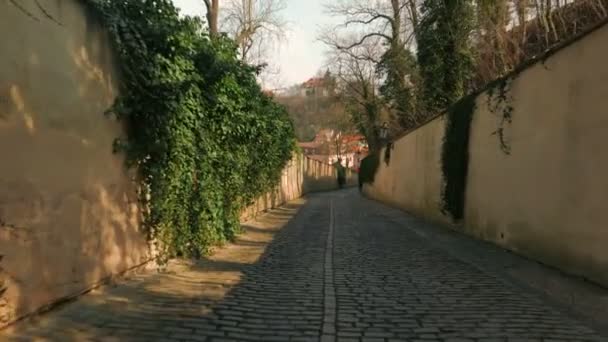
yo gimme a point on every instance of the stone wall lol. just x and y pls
(68, 211)
(69, 217)
(301, 176)
(412, 180)
(548, 198)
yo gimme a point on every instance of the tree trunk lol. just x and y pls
(213, 8)
(414, 17)
(396, 22)
(522, 14)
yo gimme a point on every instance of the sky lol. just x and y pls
(300, 57)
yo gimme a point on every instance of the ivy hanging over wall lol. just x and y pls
(446, 60)
(387, 153)
(455, 156)
(500, 103)
(204, 138)
(368, 168)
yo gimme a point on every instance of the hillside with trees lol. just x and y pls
(316, 105)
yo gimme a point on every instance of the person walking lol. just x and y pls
(341, 172)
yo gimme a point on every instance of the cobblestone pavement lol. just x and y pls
(342, 268)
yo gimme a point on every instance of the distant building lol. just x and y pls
(329, 146)
(319, 86)
(316, 86)
(310, 148)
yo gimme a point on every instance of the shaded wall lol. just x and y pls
(68, 212)
(301, 176)
(412, 180)
(548, 198)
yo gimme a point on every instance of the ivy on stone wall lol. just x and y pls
(500, 103)
(446, 63)
(387, 153)
(205, 139)
(455, 156)
(368, 168)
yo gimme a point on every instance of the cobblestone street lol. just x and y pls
(333, 267)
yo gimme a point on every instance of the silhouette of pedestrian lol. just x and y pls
(341, 171)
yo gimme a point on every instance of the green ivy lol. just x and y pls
(204, 138)
(369, 168)
(394, 67)
(444, 51)
(499, 100)
(455, 156)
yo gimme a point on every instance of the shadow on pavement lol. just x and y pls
(257, 287)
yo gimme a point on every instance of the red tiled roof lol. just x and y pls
(353, 137)
(314, 82)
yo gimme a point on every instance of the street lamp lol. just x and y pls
(384, 142)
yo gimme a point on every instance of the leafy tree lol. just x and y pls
(399, 70)
(444, 51)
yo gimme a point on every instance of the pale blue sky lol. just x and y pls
(301, 56)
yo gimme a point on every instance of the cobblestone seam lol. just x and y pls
(328, 333)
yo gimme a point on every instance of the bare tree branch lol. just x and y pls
(368, 21)
(32, 15)
(23, 10)
(365, 37)
(47, 14)
(255, 24)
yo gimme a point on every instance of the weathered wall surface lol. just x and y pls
(68, 212)
(412, 179)
(301, 176)
(548, 198)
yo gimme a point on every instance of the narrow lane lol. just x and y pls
(343, 268)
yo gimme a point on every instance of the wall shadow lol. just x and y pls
(255, 288)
